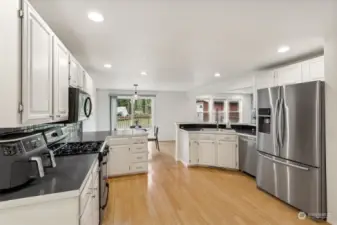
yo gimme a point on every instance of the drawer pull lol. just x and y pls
(139, 157)
(139, 148)
(139, 167)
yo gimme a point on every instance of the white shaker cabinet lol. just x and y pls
(194, 156)
(60, 80)
(313, 69)
(227, 154)
(265, 80)
(119, 160)
(81, 78)
(289, 75)
(37, 68)
(206, 152)
(73, 72)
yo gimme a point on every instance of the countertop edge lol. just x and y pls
(215, 132)
(38, 199)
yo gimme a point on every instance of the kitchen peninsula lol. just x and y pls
(209, 144)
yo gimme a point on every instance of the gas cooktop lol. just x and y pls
(62, 149)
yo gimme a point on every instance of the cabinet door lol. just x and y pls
(37, 73)
(61, 80)
(206, 151)
(265, 80)
(80, 77)
(227, 154)
(73, 72)
(95, 202)
(194, 153)
(313, 69)
(119, 160)
(289, 75)
(88, 84)
(87, 216)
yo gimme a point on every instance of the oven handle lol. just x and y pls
(107, 196)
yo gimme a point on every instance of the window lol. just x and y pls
(234, 112)
(203, 114)
(127, 112)
(219, 110)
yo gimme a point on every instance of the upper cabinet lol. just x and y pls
(289, 75)
(60, 80)
(313, 69)
(73, 72)
(37, 68)
(309, 70)
(265, 80)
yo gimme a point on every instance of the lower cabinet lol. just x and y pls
(220, 151)
(119, 160)
(227, 154)
(127, 156)
(206, 151)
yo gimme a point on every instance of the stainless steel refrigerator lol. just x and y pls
(291, 145)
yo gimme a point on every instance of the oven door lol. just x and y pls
(104, 185)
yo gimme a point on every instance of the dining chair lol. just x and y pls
(155, 138)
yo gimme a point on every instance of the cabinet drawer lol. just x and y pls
(118, 141)
(139, 148)
(202, 136)
(86, 194)
(227, 138)
(139, 157)
(139, 167)
(139, 140)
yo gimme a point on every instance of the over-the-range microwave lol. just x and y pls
(80, 105)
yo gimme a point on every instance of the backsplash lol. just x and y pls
(32, 128)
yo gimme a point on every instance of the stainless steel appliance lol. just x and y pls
(22, 158)
(248, 155)
(291, 145)
(80, 105)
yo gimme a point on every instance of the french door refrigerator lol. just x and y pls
(291, 145)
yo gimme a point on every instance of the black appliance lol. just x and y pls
(80, 105)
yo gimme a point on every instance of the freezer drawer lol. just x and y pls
(295, 184)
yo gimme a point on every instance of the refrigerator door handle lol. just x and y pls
(286, 164)
(280, 123)
(275, 132)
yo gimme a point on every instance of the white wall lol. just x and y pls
(330, 57)
(170, 107)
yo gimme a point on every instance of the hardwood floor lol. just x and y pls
(172, 194)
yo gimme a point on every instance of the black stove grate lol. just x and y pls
(76, 148)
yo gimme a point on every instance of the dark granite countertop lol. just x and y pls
(68, 175)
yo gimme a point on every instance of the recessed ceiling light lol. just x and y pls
(95, 16)
(283, 49)
(143, 73)
(217, 75)
(107, 65)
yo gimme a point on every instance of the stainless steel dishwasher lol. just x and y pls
(247, 154)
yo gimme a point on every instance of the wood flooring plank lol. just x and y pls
(171, 194)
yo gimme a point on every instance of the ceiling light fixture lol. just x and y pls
(283, 49)
(217, 75)
(135, 96)
(107, 65)
(95, 16)
(143, 73)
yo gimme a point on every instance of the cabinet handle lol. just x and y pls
(51, 116)
(94, 196)
(139, 167)
(139, 157)
(58, 116)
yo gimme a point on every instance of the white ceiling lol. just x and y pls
(182, 43)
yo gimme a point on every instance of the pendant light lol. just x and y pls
(135, 96)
